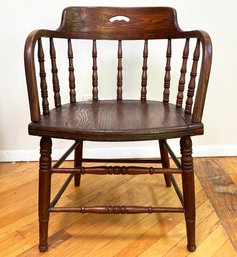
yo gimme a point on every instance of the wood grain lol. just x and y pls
(123, 120)
(117, 120)
(94, 23)
(97, 235)
(222, 191)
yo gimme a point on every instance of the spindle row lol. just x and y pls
(144, 76)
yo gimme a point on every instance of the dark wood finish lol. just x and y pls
(56, 88)
(167, 73)
(157, 29)
(144, 71)
(117, 170)
(94, 73)
(44, 191)
(71, 73)
(78, 162)
(183, 71)
(118, 119)
(116, 209)
(120, 74)
(188, 190)
(192, 83)
(80, 22)
(43, 83)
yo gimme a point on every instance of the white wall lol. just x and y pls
(218, 18)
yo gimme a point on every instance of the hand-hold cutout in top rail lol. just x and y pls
(119, 18)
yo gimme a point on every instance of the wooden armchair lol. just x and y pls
(120, 119)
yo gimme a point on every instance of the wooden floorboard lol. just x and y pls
(73, 234)
(214, 177)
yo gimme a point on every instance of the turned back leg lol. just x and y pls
(165, 162)
(78, 162)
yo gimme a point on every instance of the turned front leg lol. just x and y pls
(44, 191)
(188, 190)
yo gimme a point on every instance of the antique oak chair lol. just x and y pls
(121, 119)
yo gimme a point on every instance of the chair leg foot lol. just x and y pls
(43, 248)
(191, 248)
(43, 240)
(190, 227)
(167, 180)
(77, 180)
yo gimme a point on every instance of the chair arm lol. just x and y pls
(204, 76)
(30, 70)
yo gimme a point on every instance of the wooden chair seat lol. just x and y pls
(116, 120)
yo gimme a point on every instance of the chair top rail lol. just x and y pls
(118, 22)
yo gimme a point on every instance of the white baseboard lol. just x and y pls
(119, 152)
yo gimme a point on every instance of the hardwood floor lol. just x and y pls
(141, 235)
(218, 177)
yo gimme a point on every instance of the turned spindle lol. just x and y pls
(71, 73)
(192, 82)
(54, 70)
(119, 75)
(183, 71)
(144, 71)
(94, 73)
(43, 83)
(167, 73)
